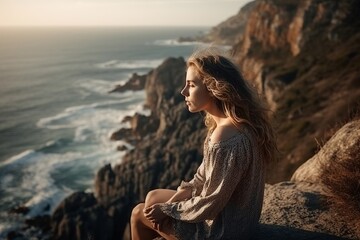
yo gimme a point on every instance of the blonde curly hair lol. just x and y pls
(235, 97)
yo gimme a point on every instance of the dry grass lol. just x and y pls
(342, 178)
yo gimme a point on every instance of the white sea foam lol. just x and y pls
(45, 201)
(6, 180)
(44, 194)
(21, 158)
(37, 182)
(86, 87)
(95, 115)
(37, 185)
(130, 64)
(33, 180)
(175, 42)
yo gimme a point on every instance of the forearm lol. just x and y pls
(180, 195)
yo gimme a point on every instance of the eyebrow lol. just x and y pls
(189, 80)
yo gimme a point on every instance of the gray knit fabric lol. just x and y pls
(227, 192)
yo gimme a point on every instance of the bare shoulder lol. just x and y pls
(222, 133)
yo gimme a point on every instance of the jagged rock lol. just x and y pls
(41, 222)
(143, 125)
(80, 217)
(13, 235)
(136, 82)
(122, 148)
(19, 210)
(164, 83)
(231, 30)
(123, 133)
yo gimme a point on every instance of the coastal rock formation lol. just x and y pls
(136, 82)
(297, 53)
(304, 57)
(230, 31)
(166, 150)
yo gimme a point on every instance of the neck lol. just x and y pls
(219, 116)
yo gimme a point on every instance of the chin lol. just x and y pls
(193, 110)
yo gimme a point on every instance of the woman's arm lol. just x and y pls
(180, 195)
(230, 166)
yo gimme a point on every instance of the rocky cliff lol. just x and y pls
(230, 31)
(304, 56)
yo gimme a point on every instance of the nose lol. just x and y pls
(185, 92)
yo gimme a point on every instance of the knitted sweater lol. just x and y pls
(227, 192)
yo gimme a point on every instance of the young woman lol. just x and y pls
(224, 199)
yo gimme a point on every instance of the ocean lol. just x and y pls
(56, 115)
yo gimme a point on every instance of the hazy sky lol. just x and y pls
(117, 12)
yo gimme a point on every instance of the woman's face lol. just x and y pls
(197, 97)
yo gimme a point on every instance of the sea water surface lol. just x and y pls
(56, 115)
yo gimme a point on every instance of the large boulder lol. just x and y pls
(343, 146)
(322, 199)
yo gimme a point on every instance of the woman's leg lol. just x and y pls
(158, 196)
(141, 227)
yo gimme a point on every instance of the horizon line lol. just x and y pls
(91, 26)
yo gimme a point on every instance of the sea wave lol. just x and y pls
(97, 115)
(45, 193)
(175, 42)
(35, 178)
(32, 181)
(20, 158)
(86, 87)
(39, 181)
(130, 64)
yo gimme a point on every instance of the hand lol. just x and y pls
(155, 215)
(181, 195)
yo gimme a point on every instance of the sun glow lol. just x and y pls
(115, 13)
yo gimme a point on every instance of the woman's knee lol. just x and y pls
(152, 197)
(158, 196)
(137, 212)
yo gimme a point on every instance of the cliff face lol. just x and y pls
(231, 30)
(304, 57)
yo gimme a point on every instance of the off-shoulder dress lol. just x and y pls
(227, 192)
